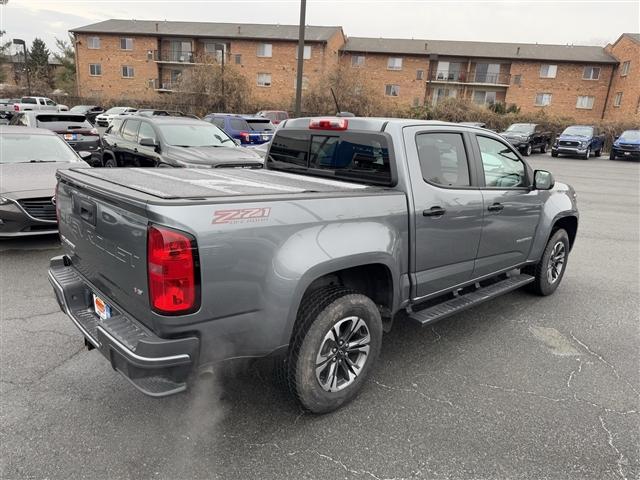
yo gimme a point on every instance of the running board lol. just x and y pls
(468, 300)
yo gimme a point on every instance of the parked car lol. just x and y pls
(38, 103)
(159, 141)
(28, 164)
(75, 129)
(626, 145)
(276, 116)
(148, 112)
(355, 223)
(105, 118)
(527, 137)
(579, 141)
(89, 111)
(237, 127)
(474, 124)
(6, 109)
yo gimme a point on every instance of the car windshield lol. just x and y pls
(578, 131)
(116, 110)
(630, 135)
(521, 128)
(26, 148)
(260, 125)
(195, 135)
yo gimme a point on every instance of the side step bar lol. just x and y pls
(468, 300)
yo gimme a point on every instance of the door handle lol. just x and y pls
(115, 145)
(496, 207)
(135, 150)
(436, 211)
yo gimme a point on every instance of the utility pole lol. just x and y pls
(18, 41)
(298, 106)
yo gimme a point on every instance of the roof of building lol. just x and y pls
(514, 51)
(209, 30)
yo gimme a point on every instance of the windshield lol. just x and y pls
(25, 148)
(630, 135)
(521, 128)
(261, 125)
(195, 135)
(116, 110)
(578, 131)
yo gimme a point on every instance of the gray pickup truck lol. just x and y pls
(353, 224)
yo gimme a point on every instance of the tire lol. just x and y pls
(554, 154)
(612, 155)
(543, 148)
(546, 281)
(588, 154)
(598, 152)
(327, 317)
(109, 162)
(527, 151)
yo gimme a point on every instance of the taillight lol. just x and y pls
(244, 137)
(16, 108)
(328, 124)
(56, 197)
(93, 131)
(172, 263)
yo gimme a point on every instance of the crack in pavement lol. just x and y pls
(614, 448)
(574, 372)
(26, 317)
(414, 390)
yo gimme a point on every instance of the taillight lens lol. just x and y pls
(56, 199)
(94, 131)
(172, 262)
(244, 137)
(328, 124)
(16, 108)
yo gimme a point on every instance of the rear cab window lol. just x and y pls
(63, 122)
(358, 156)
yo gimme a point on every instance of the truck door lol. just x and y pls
(447, 214)
(511, 208)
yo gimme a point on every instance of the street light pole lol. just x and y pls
(298, 106)
(18, 41)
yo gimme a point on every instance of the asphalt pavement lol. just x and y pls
(521, 387)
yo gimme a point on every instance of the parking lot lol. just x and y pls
(520, 387)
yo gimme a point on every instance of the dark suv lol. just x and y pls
(527, 137)
(248, 130)
(160, 141)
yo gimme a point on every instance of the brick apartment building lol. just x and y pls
(118, 59)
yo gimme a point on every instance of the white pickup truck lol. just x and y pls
(38, 103)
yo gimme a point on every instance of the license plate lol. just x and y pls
(265, 137)
(627, 153)
(70, 136)
(101, 308)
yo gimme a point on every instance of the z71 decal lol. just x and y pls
(241, 215)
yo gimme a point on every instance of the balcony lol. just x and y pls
(446, 76)
(174, 56)
(162, 87)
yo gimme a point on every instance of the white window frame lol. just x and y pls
(617, 101)
(552, 70)
(420, 74)
(266, 49)
(92, 69)
(585, 102)
(129, 69)
(394, 63)
(356, 61)
(306, 54)
(92, 41)
(389, 88)
(624, 71)
(487, 93)
(592, 70)
(263, 84)
(545, 95)
(126, 41)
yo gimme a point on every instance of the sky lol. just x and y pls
(542, 21)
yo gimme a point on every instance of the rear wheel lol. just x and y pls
(548, 272)
(109, 162)
(543, 148)
(338, 340)
(599, 152)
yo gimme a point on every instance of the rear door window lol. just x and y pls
(114, 127)
(29, 100)
(130, 130)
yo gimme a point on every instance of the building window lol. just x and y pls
(126, 44)
(419, 74)
(305, 83)
(483, 97)
(93, 43)
(127, 71)
(517, 79)
(357, 61)
(238, 59)
(264, 50)
(625, 68)
(548, 71)
(392, 90)
(591, 73)
(307, 52)
(543, 99)
(585, 102)
(394, 63)
(264, 79)
(95, 69)
(618, 100)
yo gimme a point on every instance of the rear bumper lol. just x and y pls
(156, 366)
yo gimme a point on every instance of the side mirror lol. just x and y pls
(148, 142)
(617, 137)
(543, 180)
(237, 141)
(85, 155)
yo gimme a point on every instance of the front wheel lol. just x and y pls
(612, 155)
(588, 154)
(554, 154)
(528, 150)
(543, 148)
(548, 272)
(598, 152)
(110, 162)
(338, 340)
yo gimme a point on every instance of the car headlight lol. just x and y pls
(583, 144)
(4, 201)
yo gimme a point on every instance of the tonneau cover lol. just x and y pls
(177, 183)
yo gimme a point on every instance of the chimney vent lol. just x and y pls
(518, 51)
(426, 46)
(239, 28)
(156, 26)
